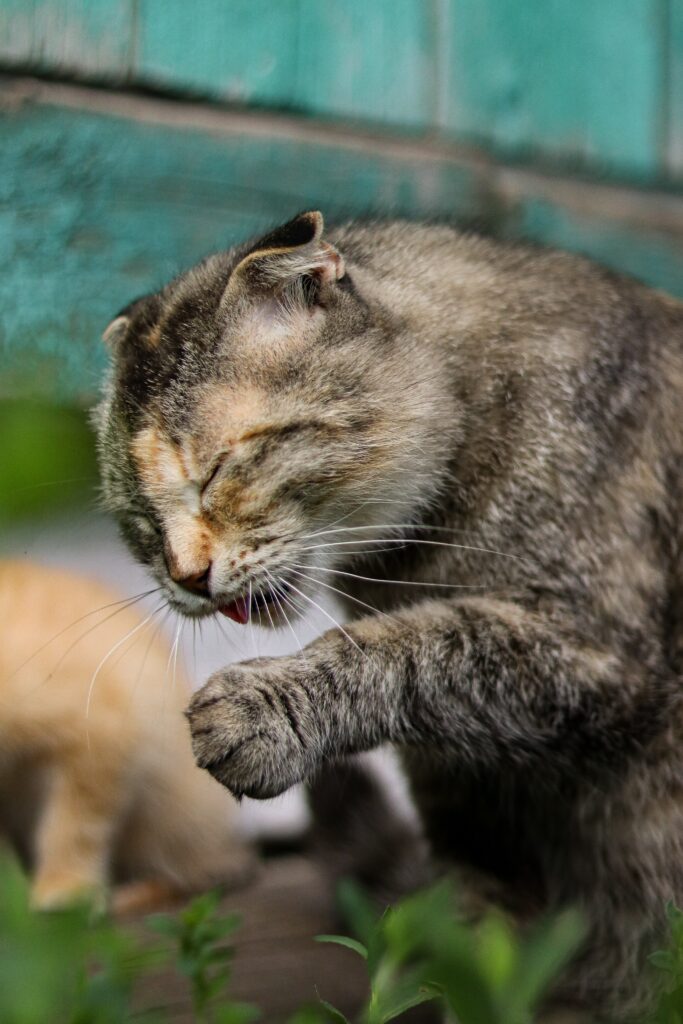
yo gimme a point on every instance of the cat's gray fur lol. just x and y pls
(523, 411)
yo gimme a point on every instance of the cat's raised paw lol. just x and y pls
(250, 731)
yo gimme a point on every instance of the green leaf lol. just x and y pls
(343, 940)
(357, 909)
(310, 1015)
(401, 1001)
(333, 1013)
(497, 950)
(236, 1013)
(663, 959)
(541, 958)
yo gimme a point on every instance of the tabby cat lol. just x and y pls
(479, 446)
(97, 781)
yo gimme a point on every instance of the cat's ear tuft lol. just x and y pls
(291, 252)
(304, 229)
(116, 331)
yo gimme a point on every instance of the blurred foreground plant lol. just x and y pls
(669, 1008)
(421, 950)
(76, 967)
(202, 955)
(73, 967)
(48, 459)
(68, 966)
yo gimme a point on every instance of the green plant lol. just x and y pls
(421, 950)
(48, 459)
(76, 967)
(669, 961)
(66, 967)
(203, 956)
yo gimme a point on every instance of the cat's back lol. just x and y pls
(558, 318)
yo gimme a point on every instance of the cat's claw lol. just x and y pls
(250, 731)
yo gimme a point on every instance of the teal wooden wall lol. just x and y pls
(158, 130)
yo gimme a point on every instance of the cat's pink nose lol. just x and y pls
(197, 583)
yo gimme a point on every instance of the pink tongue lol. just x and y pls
(238, 611)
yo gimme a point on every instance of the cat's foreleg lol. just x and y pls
(480, 679)
(75, 832)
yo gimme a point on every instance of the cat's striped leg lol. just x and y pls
(478, 679)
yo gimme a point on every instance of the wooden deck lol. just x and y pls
(278, 966)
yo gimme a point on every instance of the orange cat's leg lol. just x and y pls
(74, 836)
(145, 896)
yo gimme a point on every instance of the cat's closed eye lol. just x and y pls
(144, 525)
(214, 472)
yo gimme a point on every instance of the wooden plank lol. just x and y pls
(278, 966)
(578, 81)
(368, 60)
(358, 60)
(104, 198)
(242, 51)
(675, 85)
(80, 37)
(650, 254)
(95, 210)
(352, 60)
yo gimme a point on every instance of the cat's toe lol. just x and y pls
(241, 737)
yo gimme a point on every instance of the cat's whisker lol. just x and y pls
(259, 604)
(367, 551)
(228, 634)
(250, 622)
(330, 617)
(270, 617)
(342, 518)
(277, 593)
(174, 652)
(125, 602)
(349, 597)
(298, 609)
(392, 526)
(131, 632)
(153, 636)
(174, 663)
(79, 639)
(417, 540)
(403, 583)
(53, 483)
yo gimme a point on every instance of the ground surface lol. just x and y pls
(278, 965)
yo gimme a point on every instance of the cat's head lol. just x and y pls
(256, 402)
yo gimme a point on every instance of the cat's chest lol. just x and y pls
(496, 829)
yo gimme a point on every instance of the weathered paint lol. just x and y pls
(96, 209)
(368, 60)
(241, 51)
(674, 69)
(580, 81)
(654, 256)
(82, 37)
(353, 59)
(595, 83)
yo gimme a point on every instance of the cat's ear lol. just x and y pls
(116, 331)
(144, 311)
(292, 252)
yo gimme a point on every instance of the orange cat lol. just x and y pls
(97, 779)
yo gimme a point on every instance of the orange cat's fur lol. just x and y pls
(100, 789)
